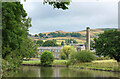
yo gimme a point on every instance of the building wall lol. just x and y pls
(56, 52)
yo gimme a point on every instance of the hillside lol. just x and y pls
(81, 39)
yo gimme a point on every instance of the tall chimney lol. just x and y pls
(88, 38)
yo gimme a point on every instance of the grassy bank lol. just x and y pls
(103, 65)
(37, 62)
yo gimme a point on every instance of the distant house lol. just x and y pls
(57, 50)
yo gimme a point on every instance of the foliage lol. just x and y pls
(49, 43)
(63, 4)
(40, 42)
(82, 56)
(53, 34)
(36, 35)
(46, 58)
(62, 43)
(102, 58)
(108, 44)
(63, 56)
(66, 50)
(69, 41)
(15, 42)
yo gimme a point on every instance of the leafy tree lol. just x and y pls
(41, 35)
(46, 58)
(36, 35)
(62, 43)
(63, 4)
(40, 42)
(108, 44)
(49, 43)
(67, 50)
(15, 42)
(84, 56)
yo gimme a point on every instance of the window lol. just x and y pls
(53, 50)
(56, 56)
(56, 50)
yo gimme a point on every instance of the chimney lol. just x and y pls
(88, 38)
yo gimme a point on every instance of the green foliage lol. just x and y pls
(82, 56)
(102, 58)
(36, 35)
(108, 44)
(15, 42)
(63, 4)
(66, 50)
(62, 43)
(69, 41)
(63, 56)
(53, 34)
(40, 42)
(50, 43)
(46, 58)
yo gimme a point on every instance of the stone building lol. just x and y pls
(55, 50)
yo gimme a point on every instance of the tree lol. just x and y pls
(36, 35)
(63, 4)
(62, 43)
(40, 42)
(46, 58)
(108, 44)
(49, 43)
(67, 50)
(15, 42)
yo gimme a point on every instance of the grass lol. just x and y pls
(37, 62)
(106, 65)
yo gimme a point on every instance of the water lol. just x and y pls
(36, 71)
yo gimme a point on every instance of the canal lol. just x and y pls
(36, 71)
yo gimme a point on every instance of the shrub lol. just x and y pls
(84, 56)
(102, 58)
(62, 56)
(46, 58)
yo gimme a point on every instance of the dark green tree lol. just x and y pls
(36, 35)
(40, 42)
(108, 44)
(62, 43)
(63, 4)
(15, 42)
(46, 58)
(50, 43)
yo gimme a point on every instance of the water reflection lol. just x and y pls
(36, 71)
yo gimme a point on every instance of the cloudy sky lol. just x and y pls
(95, 14)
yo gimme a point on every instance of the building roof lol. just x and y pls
(49, 48)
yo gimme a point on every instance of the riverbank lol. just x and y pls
(56, 63)
(102, 65)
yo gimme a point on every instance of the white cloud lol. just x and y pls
(76, 18)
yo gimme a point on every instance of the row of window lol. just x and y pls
(53, 50)
(56, 56)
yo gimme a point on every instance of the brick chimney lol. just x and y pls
(87, 38)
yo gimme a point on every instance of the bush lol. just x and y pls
(83, 56)
(102, 58)
(46, 58)
(62, 56)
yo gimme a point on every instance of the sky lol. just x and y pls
(81, 14)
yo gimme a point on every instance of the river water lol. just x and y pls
(36, 71)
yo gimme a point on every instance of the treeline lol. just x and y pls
(59, 35)
(15, 42)
(48, 43)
